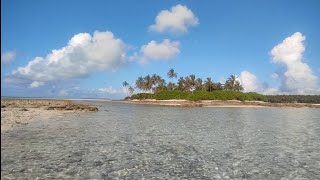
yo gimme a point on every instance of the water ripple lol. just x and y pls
(129, 141)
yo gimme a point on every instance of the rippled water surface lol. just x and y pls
(136, 141)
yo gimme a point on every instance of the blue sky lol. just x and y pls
(222, 37)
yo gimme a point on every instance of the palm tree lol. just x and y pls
(157, 82)
(148, 82)
(187, 83)
(238, 86)
(171, 74)
(233, 84)
(181, 83)
(161, 82)
(131, 90)
(229, 85)
(198, 84)
(125, 84)
(209, 85)
(192, 82)
(218, 86)
(171, 86)
(192, 78)
(140, 83)
(154, 78)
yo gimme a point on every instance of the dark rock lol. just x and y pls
(97, 163)
(50, 108)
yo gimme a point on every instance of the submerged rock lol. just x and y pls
(73, 107)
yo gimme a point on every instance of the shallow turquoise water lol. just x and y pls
(135, 141)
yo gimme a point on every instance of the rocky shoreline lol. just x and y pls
(47, 104)
(217, 103)
(16, 112)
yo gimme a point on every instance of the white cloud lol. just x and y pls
(110, 90)
(7, 57)
(63, 93)
(36, 84)
(297, 77)
(104, 92)
(249, 82)
(176, 20)
(83, 55)
(159, 51)
(271, 91)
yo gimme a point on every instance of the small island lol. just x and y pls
(190, 91)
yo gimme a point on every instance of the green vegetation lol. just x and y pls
(315, 99)
(200, 95)
(156, 83)
(195, 89)
(141, 96)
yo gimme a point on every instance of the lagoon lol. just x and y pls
(141, 141)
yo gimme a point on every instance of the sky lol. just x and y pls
(86, 49)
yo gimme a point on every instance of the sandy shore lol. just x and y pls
(11, 117)
(217, 103)
(17, 112)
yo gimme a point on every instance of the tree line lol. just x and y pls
(315, 99)
(156, 83)
(193, 88)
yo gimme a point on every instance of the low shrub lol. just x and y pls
(227, 95)
(200, 95)
(173, 94)
(315, 99)
(141, 96)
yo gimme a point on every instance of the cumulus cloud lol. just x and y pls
(249, 82)
(8, 57)
(36, 84)
(176, 20)
(83, 55)
(111, 90)
(159, 51)
(63, 93)
(103, 92)
(297, 77)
